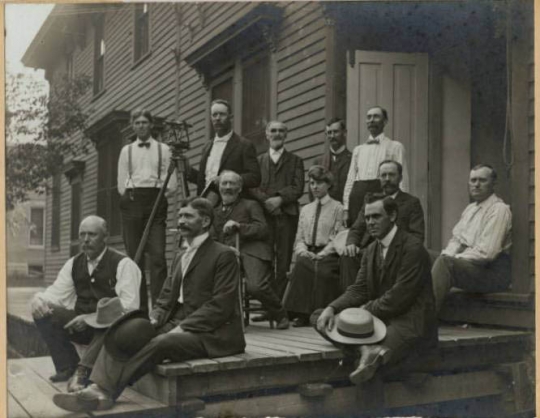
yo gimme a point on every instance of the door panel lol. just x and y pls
(399, 83)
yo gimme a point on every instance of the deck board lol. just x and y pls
(14, 409)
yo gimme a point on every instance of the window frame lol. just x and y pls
(99, 56)
(141, 56)
(56, 211)
(76, 183)
(30, 225)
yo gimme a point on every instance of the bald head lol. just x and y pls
(93, 233)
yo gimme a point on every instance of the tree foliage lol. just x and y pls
(42, 128)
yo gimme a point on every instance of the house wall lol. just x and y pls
(299, 85)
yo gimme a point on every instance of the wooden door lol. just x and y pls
(399, 83)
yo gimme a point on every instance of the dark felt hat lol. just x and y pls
(128, 335)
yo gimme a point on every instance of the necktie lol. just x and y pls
(372, 141)
(380, 256)
(144, 144)
(316, 224)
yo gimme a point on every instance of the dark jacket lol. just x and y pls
(339, 169)
(211, 305)
(288, 181)
(253, 229)
(402, 296)
(239, 156)
(410, 218)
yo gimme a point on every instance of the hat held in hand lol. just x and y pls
(357, 326)
(108, 310)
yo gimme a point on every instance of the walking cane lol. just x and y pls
(178, 162)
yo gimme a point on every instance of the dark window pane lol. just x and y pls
(108, 201)
(75, 210)
(142, 33)
(55, 218)
(36, 226)
(256, 101)
(99, 53)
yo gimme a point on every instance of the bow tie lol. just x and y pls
(220, 140)
(144, 144)
(372, 141)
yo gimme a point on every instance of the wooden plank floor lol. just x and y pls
(30, 393)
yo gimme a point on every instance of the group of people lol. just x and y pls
(362, 276)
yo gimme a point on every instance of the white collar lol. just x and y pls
(98, 258)
(378, 138)
(275, 153)
(223, 138)
(196, 243)
(338, 151)
(149, 140)
(394, 195)
(387, 240)
(324, 200)
(488, 202)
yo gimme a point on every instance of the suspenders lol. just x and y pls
(130, 163)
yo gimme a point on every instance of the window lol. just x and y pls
(37, 223)
(99, 55)
(76, 194)
(108, 199)
(55, 218)
(142, 31)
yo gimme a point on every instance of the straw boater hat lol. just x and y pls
(357, 326)
(128, 335)
(108, 310)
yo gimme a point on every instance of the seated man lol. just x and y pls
(59, 311)
(477, 258)
(394, 285)
(245, 217)
(197, 315)
(410, 219)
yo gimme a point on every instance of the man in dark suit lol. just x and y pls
(197, 314)
(245, 217)
(410, 218)
(227, 151)
(281, 186)
(337, 158)
(393, 284)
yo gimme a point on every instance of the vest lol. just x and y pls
(100, 284)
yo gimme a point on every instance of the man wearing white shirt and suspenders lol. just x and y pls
(142, 169)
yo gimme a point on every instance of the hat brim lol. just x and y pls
(379, 332)
(91, 319)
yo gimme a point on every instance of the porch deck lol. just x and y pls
(296, 372)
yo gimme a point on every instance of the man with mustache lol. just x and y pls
(235, 215)
(394, 285)
(282, 184)
(97, 272)
(227, 151)
(365, 160)
(477, 257)
(410, 218)
(337, 159)
(197, 315)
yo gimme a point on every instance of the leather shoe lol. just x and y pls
(93, 398)
(79, 380)
(283, 323)
(62, 375)
(261, 318)
(372, 358)
(300, 322)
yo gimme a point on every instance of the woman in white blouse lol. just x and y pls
(315, 276)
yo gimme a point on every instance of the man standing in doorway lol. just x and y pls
(366, 157)
(142, 169)
(227, 151)
(281, 186)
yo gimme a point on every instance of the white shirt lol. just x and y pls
(214, 159)
(483, 231)
(128, 282)
(387, 240)
(275, 155)
(144, 166)
(365, 162)
(189, 253)
(335, 153)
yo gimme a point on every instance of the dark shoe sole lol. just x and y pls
(71, 402)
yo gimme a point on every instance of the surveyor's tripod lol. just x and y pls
(178, 140)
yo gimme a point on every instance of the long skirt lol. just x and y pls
(314, 284)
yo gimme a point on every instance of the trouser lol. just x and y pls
(282, 235)
(59, 341)
(356, 199)
(450, 272)
(136, 206)
(258, 276)
(113, 375)
(348, 269)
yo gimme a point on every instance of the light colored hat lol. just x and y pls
(108, 310)
(357, 326)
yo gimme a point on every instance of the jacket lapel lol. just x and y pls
(265, 168)
(282, 161)
(231, 143)
(391, 253)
